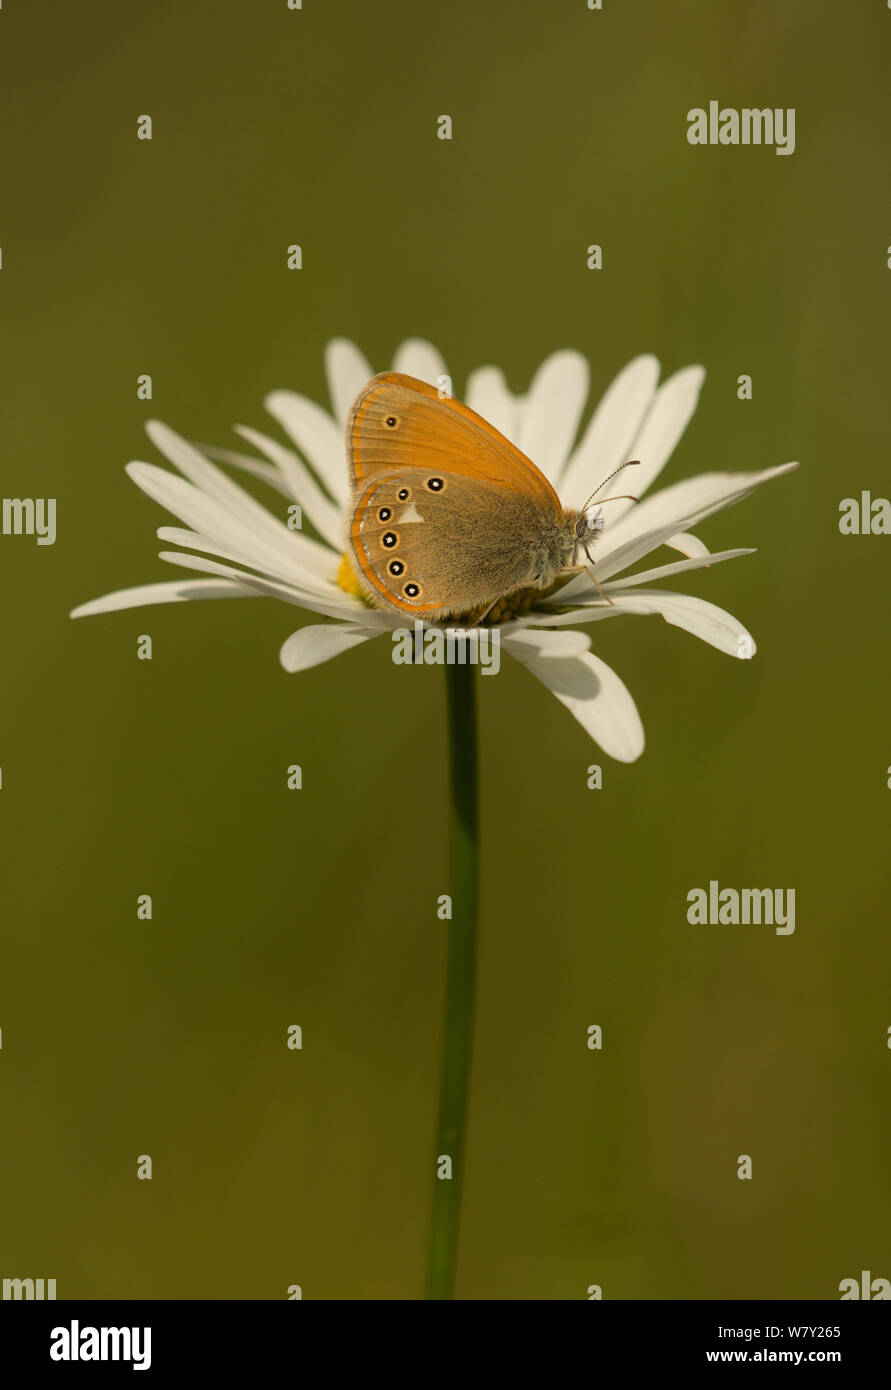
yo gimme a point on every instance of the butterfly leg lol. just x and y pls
(590, 570)
(485, 613)
(587, 569)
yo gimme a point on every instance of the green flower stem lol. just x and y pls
(458, 1029)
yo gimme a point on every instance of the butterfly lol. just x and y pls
(448, 515)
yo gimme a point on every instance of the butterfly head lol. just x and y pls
(587, 525)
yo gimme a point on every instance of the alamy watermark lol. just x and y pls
(865, 1287)
(747, 126)
(865, 516)
(29, 1289)
(29, 516)
(76, 1343)
(434, 646)
(742, 906)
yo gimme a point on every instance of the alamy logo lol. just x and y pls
(30, 516)
(431, 646)
(29, 1288)
(865, 515)
(748, 126)
(732, 906)
(76, 1343)
(865, 1287)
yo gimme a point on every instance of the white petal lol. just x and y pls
(540, 642)
(213, 482)
(677, 567)
(654, 443)
(675, 509)
(228, 499)
(347, 371)
(345, 607)
(324, 583)
(310, 646)
(607, 441)
(593, 693)
(487, 393)
(267, 471)
(188, 502)
(172, 591)
(318, 437)
(687, 544)
(275, 551)
(715, 626)
(312, 551)
(632, 551)
(694, 615)
(582, 590)
(416, 357)
(552, 411)
(324, 515)
(586, 613)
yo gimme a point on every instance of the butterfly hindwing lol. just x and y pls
(423, 550)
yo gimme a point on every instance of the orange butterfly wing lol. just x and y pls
(436, 432)
(398, 422)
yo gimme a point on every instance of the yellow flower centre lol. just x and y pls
(348, 580)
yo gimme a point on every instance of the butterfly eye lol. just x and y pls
(435, 484)
(391, 421)
(389, 539)
(396, 567)
(402, 494)
(384, 514)
(411, 591)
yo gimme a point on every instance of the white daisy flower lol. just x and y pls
(249, 551)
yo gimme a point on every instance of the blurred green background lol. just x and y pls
(123, 777)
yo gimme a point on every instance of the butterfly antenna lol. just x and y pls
(632, 463)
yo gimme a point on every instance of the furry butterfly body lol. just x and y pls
(448, 515)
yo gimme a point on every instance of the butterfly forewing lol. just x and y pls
(430, 429)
